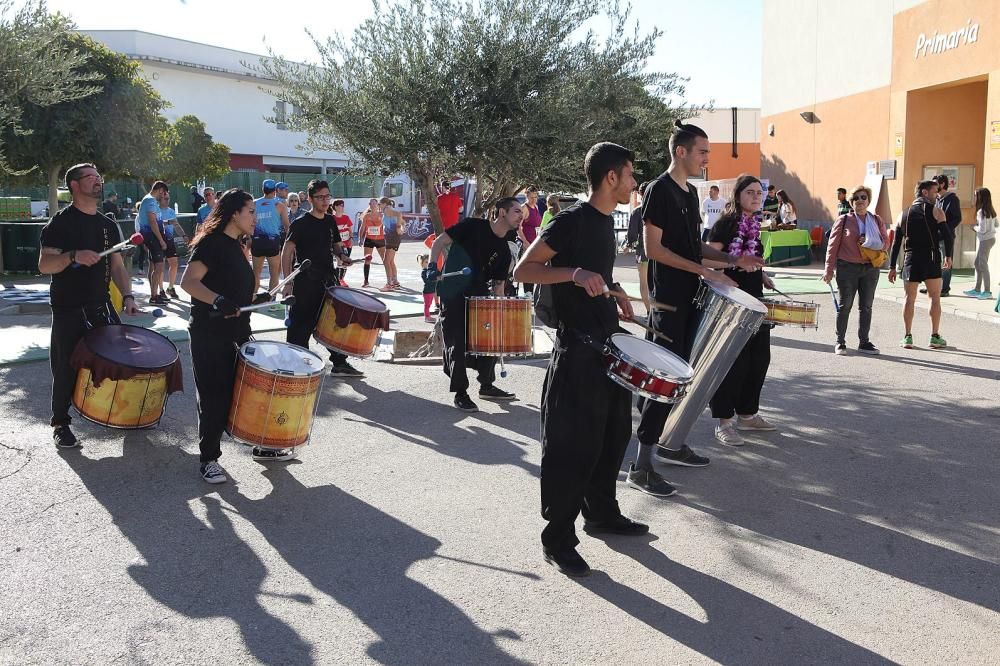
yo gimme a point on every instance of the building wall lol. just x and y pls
(718, 124)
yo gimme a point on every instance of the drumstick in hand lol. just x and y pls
(303, 265)
(650, 329)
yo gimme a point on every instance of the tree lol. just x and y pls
(193, 154)
(503, 90)
(119, 128)
(37, 67)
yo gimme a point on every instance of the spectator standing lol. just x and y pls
(531, 220)
(771, 206)
(986, 234)
(148, 224)
(430, 279)
(110, 206)
(949, 203)
(789, 216)
(304, 202)
(856, 276)
(196, 199)
(170, 229)
(551, 210)
(633, 238)
(711, 210)
(295, 210)
(843, 205)
(205, 208)
(450, 205)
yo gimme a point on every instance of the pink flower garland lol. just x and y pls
(746, 241)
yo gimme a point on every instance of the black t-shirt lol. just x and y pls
(72, 229)
(229, 274)
(751, 282)
(584, 237)
(677, 214)
(110, 207)
(314, 240)
(487, 254)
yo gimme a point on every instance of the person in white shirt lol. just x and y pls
(711, 210)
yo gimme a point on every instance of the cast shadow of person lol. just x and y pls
(359, 556)
(741, 628)
(197, 571)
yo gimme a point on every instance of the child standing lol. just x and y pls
(430, 285)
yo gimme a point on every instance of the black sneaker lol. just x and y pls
(685, 457)
(923, 290)
(868, 348)
(160, 299)
(491, 392)
(212, 472)
(568, 561)
(64, 437)
(619, 525)
(840, 349)
(171, 293)
(264, 454)
(945, 293)
(345, 369)
(649, 482)
(464, 402)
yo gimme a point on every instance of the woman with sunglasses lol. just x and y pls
(856, 277)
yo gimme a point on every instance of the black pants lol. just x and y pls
(69, 325)
(213, 360)
(739, 392)
(304, 314)
(455, 359)
(586, 427)
(856, 280)
(680, 327)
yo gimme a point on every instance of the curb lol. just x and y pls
(987, 317)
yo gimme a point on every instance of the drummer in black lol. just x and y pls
(675, 249)
(220, 282)
(79, 297)
(481, 246)
(586, 421)
(313, 236)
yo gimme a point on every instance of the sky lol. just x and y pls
(716, 43)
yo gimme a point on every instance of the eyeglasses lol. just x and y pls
(860, 197)
(322, 197)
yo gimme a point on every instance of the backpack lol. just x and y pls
(545, 307)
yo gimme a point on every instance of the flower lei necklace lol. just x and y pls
(745, 242)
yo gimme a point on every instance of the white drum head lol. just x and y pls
(737, 295)
(654, 357)
(359, 299)
(282, 357)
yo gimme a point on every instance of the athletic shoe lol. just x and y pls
(985, 296)
(972, 292)
(364, 285)
(649, 482)
(937, 342)
(618, 525)
(684, 457)
(491, 392)
(64, 437)
(264, 454)
(945, 294)
(430, 320)
(923, 290)
(907, 341)
(568, 561)
(755, 422)
(840, 349)
(345, 369)
(464, 403)
(727, 435)
(868, 348)
(160, 299)
(211, 472)
(172, 294)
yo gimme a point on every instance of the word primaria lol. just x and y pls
(940, 42)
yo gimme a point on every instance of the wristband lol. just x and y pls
(72, 256)
(578, 269)
(128, 296)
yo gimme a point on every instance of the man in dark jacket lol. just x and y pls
(948, 202)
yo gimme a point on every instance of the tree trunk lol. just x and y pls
(477, 200)
(53, 190)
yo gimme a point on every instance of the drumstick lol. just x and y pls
(656, 305)
(784, 261)
(781, 292)
(287, 300)
(303, 265)
(464, 271)
(134, 240)
(650, 329)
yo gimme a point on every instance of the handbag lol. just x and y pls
(876, 256)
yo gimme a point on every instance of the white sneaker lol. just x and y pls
(212, 472)
(265, 454)
(755, 422)
(727, 435)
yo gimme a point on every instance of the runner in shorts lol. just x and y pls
(372, 236)
(392, 221)
(272, 226)
(148, 223)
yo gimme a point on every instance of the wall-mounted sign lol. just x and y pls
(871, 168)
(995, 134)
(939, 42)
(899, 144)
(887, 169)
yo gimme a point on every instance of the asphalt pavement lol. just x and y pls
(864, 531)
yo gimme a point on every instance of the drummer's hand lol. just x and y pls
(263, 297)
(892, 276)
(592, 282)
(129, 307)
(226, 307)
(827, 277)
(718, 277)
(749, 262)
(87, 257)
(287, 289)
(625, 306)
(768, 282)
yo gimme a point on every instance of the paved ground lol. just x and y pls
(864, 531)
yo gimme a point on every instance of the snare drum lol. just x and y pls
(791, 313)
(647, 369)
(350, 321)
(124, 374)
(275, 394)
(498, 326)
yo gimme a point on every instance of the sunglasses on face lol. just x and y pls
(861, 197)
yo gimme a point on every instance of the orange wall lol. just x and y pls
(810, 161)
(722, 164)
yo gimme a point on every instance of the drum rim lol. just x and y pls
(680, 381)
(334, 290)
(714, 288)
(526, 299)
(177, 354)
(806, 305)
(649, 395)
(284, 373)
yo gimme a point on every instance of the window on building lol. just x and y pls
(280, 115)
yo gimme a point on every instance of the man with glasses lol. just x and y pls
(205, 208)
(79, 295)
(450, 205)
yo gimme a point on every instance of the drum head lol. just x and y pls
(358, 299)
(131, 346)
(662, 361)
(281, 357)
(737, 295)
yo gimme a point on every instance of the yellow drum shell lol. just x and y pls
(126, 403)
(792, 313)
